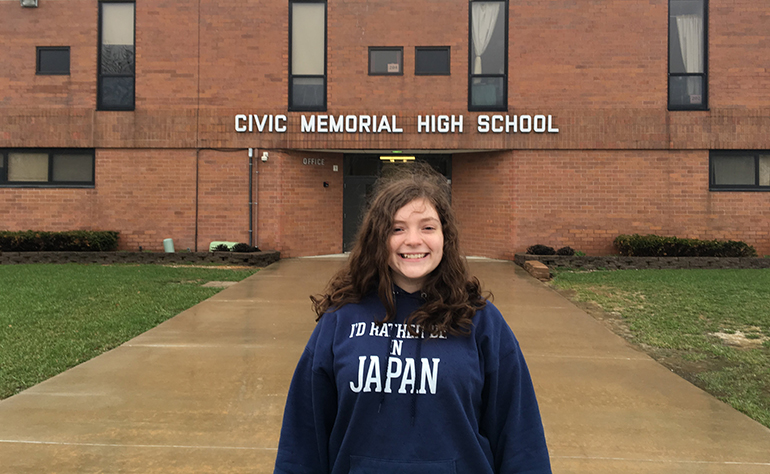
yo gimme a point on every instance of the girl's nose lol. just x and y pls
(412, 237)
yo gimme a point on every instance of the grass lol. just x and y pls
(674, 314)
(53, 317)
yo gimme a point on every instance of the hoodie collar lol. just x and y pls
(417, 295)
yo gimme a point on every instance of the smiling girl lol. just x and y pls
(410, 369)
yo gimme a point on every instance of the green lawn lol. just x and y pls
(675, 314)
(53, 317)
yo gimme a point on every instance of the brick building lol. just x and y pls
(559, 122)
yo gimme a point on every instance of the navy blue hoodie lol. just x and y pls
(368, 398)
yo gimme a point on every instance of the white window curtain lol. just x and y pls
(690, 29)
(483, 25)
(308, 35)
(118, 23)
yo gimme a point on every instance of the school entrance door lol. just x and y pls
(360, 171)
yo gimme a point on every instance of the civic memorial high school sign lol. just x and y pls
(251, 123)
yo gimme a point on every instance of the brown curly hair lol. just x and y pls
(451, 295)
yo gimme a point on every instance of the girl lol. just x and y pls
(410, 369)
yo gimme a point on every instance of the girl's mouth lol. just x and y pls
(411, 256)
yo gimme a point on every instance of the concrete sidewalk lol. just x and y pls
(204, 391)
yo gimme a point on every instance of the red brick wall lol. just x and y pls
(482, 196)
(223, 197)
(297, 214)
(738, 47)
(148, 196)
(47, 209)
(608, 54)
(585, 199)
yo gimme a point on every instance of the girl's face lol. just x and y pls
(416, 244)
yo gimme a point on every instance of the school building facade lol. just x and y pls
(559, 122)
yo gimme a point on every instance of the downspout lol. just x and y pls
(197, 192)
(256, 204)
(198, 127)
(251, 195)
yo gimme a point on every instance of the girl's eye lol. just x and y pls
(397, 229)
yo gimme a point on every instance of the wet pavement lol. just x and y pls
(204, 391)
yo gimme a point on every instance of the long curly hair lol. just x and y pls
(451, 295)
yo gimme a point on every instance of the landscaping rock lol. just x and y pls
(537, 270)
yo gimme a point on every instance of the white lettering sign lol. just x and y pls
(313, 161)
(440, 123)
(516, 124)
(264, 123)
(379, 124)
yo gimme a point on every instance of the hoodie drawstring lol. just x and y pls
(417, 374)
(388, 349)
(387, 363)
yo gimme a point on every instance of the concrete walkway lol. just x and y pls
(204, 391)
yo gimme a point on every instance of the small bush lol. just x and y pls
(569, 251)
(70, 241)
(241, 247)
(221, 248)
(541, 250)
(658, 246)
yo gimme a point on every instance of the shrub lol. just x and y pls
(241, 247)
(221, 248)
(569, 251)
(541, 250)
(658, 246)
(70, 241)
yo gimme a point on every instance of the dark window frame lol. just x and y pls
(703, 106)
(50, 183)
(448, 50)
(737, 187)
(386, 48)
(99, 75)
(38, 64)
(291, 106)
(471, 76)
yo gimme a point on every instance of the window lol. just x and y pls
(307, 62)
(116, 56)
(53, 60)
(431, 61)
(386, 61)
(739, 170)
(687, 58)
(488, 63)
(49, 168)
